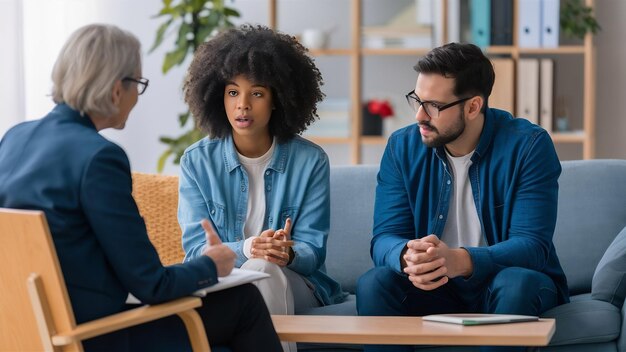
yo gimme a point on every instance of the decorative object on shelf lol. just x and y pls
(194, 22)
(314, 38)
(577, 19)
(374, 111)
(562, 121)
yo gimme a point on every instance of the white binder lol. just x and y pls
(529, 23)
(550, 23)
(528, 89)
(454, 21)
(546, 101)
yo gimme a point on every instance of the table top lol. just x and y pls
(409, 331)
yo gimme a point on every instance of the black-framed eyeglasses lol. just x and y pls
(142, 83)
(431, 109)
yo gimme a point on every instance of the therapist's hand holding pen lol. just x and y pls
(274, 246)
(223, 257)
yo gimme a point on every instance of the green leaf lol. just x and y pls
(198, 5)
(167, 140)
(162, 160)
(160, 34)
(182, 118)
(183, 31)
(174, 58)
(230, 12)
(577, 20)
(184, 19)
(203, 33)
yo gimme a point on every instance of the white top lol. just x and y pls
(255, 168)
(462, 227)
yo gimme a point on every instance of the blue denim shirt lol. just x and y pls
(214, 185)
(513, 176)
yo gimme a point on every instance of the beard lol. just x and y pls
(447, 136)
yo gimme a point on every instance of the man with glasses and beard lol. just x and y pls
(466, 203)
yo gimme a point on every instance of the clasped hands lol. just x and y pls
(274, 245)
(430, 263)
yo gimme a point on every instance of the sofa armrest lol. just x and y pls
(609, 279)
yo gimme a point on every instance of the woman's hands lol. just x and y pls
(274, 246)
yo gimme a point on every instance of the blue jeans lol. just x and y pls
(383, 292)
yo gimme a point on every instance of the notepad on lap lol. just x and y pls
(479, 319)
(237, 277)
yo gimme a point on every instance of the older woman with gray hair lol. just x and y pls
(61, 165)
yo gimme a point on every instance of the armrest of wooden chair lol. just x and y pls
(183, 307)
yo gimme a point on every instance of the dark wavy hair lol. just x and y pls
(472, 71)
(266, 57)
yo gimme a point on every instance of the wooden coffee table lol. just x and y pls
(408, 331)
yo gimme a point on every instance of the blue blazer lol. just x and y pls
(61, 165)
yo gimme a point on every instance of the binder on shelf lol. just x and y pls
(546, 91)
(529, 23)
(502, 22)
(454, 21)
(502, 95)
(528, 89)
(550, 23)
(480, 22)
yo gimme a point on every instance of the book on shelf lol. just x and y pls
(502, 22)
(550, 15)
(528, 89)
(334, 119)
(410, 28)
(546, 94)
(380, 37)
(480, 22)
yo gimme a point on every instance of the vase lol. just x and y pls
(372, 125)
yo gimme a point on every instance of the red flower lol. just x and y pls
(381, 108)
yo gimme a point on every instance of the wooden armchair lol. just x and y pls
(157, 200)
(34, 300)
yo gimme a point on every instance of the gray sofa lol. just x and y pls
(591, 214)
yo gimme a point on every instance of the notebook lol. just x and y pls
(237, 277)
(479, 319)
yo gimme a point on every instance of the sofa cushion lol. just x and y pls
(347, 307)
(585, 321)
(352, 191)
(591, 211)
(609, 280)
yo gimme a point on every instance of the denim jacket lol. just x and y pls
(513, 176)
(213, 184)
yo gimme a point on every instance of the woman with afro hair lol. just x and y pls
(265, 189)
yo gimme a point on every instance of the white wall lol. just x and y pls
(11, 88)
(611, 80)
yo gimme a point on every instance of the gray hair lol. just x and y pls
(91, 61)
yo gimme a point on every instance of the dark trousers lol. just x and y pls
(236, 318)
(383, 292)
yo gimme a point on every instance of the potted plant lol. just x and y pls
(374, 111)
(577, 19)
(192, 22)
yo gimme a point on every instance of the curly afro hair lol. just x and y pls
(275, 60)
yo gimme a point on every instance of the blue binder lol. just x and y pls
(480, 22)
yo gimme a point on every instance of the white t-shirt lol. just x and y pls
(462, 227)
(255, 168)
